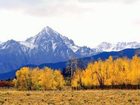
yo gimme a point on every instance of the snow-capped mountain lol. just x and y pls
(11, 56)
(51, 38)
(104, 46)
(85, 51)
(49, 46)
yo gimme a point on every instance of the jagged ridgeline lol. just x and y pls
(50, 48)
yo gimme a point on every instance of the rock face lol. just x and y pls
(48, 46)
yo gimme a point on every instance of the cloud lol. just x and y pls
(15, 4)
(94, 20)
(124, 1)
(43, 7)
(53, 8)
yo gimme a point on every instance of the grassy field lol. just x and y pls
(82, 97)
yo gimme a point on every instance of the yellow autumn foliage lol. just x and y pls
(118, 72)
(38, 79)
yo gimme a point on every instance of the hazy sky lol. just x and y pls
(87, 22)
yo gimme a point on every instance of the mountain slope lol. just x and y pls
(48, 46)
(104, 46)
(129, 53)
(11, 56)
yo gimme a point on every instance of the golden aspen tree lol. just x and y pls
(109, 71)
(135, 70)
(58, 77)
(76, 79)
(35, 74)
(46, 79)
(23, 79)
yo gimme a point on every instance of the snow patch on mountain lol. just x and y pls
(70, 43)
(28, 45)
(49, 46)
(9, 44)
(104, 46)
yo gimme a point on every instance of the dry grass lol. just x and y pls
(82, 97)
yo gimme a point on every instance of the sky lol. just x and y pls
(87, 22)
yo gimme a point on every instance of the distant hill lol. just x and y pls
(49, 47)
(129, 53)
